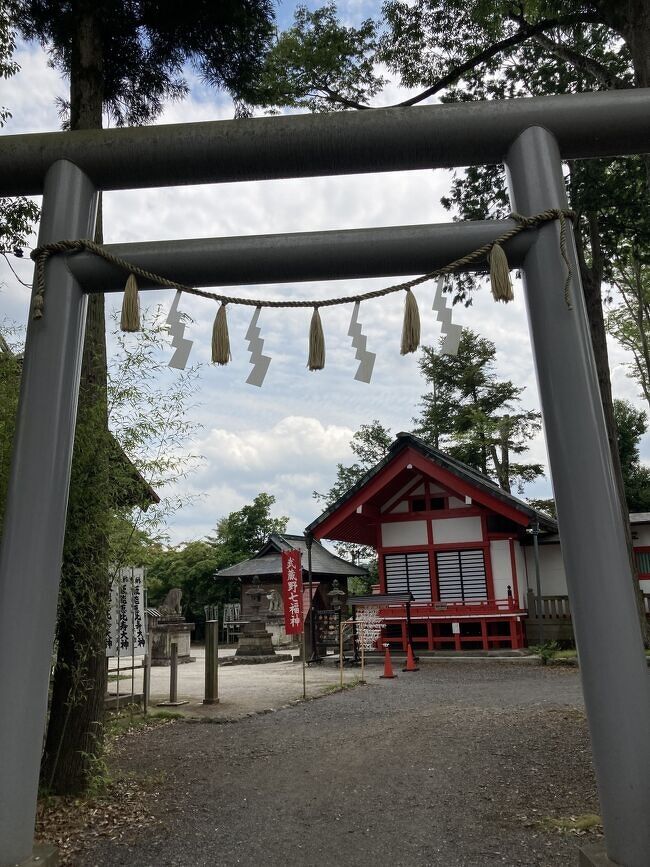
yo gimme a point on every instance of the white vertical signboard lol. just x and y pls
(126, 629)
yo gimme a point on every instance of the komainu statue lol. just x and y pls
(171, 603)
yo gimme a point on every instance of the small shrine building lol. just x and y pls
(453, 539)
(266, 565)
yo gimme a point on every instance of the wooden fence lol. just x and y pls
(555, 618)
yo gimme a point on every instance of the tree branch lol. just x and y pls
(581, 62)
(525, 32)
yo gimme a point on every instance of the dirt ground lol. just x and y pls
(457, 764)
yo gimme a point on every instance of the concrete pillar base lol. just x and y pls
(44, 855)
(595, 855)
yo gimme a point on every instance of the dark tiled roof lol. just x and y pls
(268, 560)
(458, 468)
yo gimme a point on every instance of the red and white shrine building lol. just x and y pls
(453, 539)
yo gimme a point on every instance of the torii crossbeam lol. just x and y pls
(531, 136)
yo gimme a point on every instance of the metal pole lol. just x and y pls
(605, 620)
(32, 538)
(538, 582)
(314, 657)
(304, 664)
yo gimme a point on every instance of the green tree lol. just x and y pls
(9, 388)
(475, 50)
(472, 415)
(124, 59)
(242, 533)
(369, 445)
(17, 214)
(192, 565)
(145, 449)
(629, 321)
(463, 51)
(631, 424)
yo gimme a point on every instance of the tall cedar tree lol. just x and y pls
(473, 415)
(123, 59)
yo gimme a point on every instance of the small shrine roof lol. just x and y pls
(268, 560)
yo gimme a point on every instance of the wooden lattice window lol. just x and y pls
(408, 573)
(461, 575)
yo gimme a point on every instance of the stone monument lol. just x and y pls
(255, 644)
(171, 628)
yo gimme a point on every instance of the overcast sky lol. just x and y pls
(287, 437)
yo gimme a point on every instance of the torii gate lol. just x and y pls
(530, 136)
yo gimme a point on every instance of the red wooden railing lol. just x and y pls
(454, 608)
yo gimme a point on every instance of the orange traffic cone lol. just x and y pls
(388, 666)
(410, 660)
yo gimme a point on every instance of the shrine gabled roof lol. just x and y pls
(465, 475)
(268, 560)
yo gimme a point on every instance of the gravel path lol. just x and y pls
(453, 765)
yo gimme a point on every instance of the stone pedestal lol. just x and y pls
(168, 630)
(275, 625)
(255, 640)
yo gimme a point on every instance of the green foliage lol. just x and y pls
(546, 651)
(471, 414)
(631, 424)
(629, 321)
(544, 505)
(148, 415)
(9, 388)
(143, 47)
(370, 445)
(192, 566)
(17, 214)
(319, 64)
(241, 534)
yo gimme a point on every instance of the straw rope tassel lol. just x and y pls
(130, 318)
(500, 274)
(411, 325)
(220, 337)
(316, 343)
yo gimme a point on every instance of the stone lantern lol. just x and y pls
(254, 639)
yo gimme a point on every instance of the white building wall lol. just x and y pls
(520, 563)
(501, 567)
(551, 570)
(399, 533)
(641, 534)
(447, 530)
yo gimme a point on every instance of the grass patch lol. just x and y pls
(132, 719)
(573, 824)
(112, 677)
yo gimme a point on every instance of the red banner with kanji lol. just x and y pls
(292, 591)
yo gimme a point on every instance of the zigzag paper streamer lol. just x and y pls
(176, 329)
(255, 346)
(451, 331)
(366, 359)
